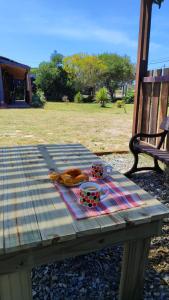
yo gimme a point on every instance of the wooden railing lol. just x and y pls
(153, 105)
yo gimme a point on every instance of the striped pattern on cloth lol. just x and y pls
(117, 199)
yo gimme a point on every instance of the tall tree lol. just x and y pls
(53, 81)
(85, 70)
(119, 70)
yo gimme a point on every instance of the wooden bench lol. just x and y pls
(139, 144)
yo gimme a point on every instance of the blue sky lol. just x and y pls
(31, 30)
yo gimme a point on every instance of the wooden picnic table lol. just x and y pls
(37, 227)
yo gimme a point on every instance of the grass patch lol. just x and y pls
(99, 129)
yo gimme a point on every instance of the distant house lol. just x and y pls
(12, 74)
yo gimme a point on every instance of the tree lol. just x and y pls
(119, 70)
(102, 96)
(85, 70)
(56, 58)
(53, 81)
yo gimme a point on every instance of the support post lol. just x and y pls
(28, 88)
(16, 286)
(1, 89)
(133, 267)
(142, 58)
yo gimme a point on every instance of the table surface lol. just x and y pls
(32, 212)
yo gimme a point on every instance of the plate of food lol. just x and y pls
(70, 177)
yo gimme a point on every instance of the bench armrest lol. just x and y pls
(134, 139)
(148, 135)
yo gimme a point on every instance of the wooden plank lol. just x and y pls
(16, 286)
(154, 108)
(54, 221)
(57, 251)
(163, 99)
(142, 56)
(157, 79)
(20, 224)
(133, 268)
(147, 93)
(140, 109)
(149, 211)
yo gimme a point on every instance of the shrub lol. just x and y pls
(78, 98)
(38, 99)
(102, 96)
(129, 98)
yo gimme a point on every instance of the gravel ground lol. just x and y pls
(97, 275)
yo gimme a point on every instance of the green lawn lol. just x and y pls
(100, 129)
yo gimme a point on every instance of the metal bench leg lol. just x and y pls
(134, 167)
(157, 167)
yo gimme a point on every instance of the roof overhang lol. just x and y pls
(14, 68)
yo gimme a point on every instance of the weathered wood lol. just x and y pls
(147, 95)
(154, 108)
(156, 79)
(142, 58)
(16, 286)
(33, 211)
(133, 267)
(38, 227)
(24, 259)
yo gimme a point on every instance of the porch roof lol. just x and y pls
(14, 68)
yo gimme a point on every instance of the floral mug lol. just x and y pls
(100, 170)
(92, 193)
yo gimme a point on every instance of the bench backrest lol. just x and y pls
(165, 124)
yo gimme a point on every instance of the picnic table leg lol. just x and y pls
(16, 286)
(133, 267)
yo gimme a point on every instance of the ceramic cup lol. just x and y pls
(100, 170)
(91, 194)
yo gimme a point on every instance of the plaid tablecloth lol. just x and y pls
(117, 199)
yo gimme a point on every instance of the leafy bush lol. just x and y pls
(38, 99)
(78, 98)
(129, 98)
(102, 96)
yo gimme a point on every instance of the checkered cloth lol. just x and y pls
(117, 199)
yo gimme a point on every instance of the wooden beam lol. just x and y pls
(28, 88)
(142, 57)
(156, 79)
(1, 88)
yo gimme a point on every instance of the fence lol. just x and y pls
(153, 105)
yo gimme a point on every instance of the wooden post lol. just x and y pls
(1, 88)
(142, 58)
(16, 286)
(28, 88)
(133, 267)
